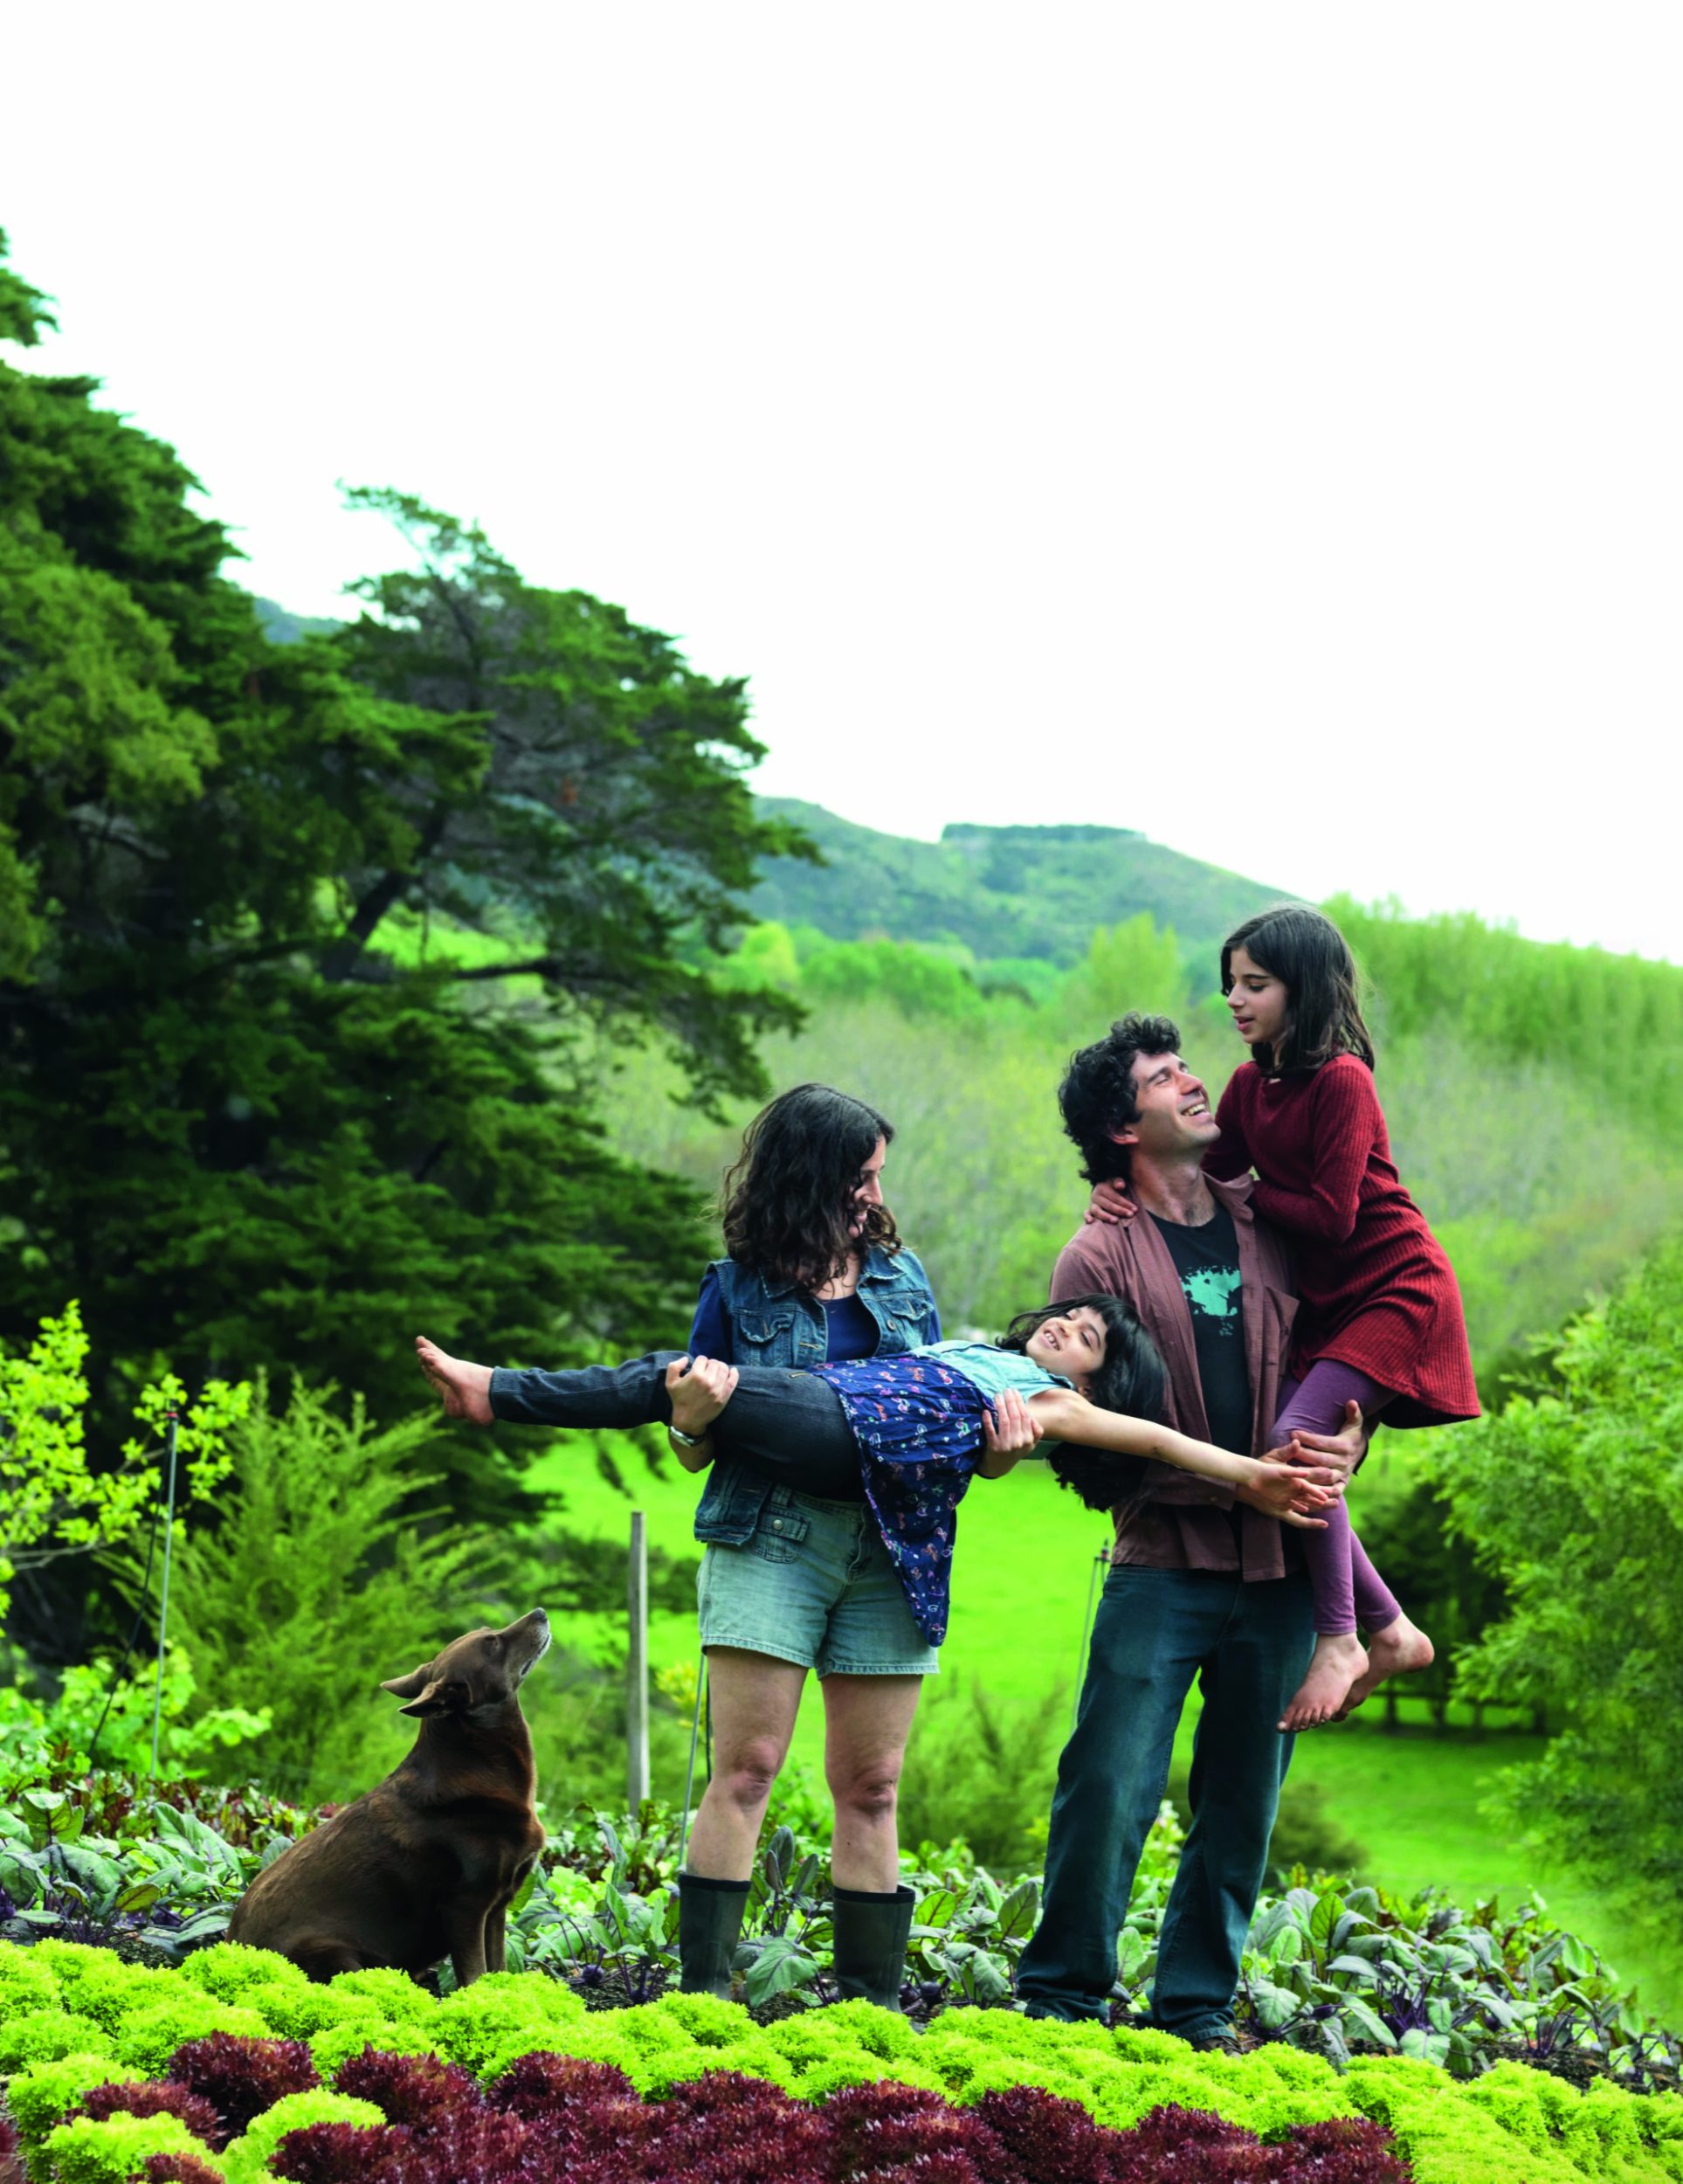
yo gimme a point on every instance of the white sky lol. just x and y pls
(1262, 425)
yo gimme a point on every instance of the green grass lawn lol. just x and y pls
(1020, 1593)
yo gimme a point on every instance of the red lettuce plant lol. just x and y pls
(135, 2097)
(416, 2089)
(556, 2119)
(240, 2077)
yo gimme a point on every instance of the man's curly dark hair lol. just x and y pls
(1097, 1093)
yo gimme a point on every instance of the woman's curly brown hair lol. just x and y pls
(789, 1201)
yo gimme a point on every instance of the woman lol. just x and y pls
(814, 1274)
(792, 1581)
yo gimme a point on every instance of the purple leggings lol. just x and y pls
(1347, 1589)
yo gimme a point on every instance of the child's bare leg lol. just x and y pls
(1317, 1406)
(1338, 1657)
(1395, 1646)
(464, 1388)
(1400, 1649)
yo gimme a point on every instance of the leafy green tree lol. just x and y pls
(1137, 965)
(924, 985)
(247, 1112)
(310, 953)
(1573, 1497)
(607, 834)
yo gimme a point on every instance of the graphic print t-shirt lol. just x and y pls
(1207, 1260)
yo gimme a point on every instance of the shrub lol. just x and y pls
(315, 1584)
(983, 1772)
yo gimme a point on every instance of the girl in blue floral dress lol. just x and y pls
(911, 1425)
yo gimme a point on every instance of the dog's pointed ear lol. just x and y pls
(410, 1686)
(441, 1696)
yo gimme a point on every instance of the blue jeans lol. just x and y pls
(1156, 1629)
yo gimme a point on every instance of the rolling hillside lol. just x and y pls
(1002, 891)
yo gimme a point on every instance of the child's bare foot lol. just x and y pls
(1334, 1667)
(465, 1388)
(1396, 1650)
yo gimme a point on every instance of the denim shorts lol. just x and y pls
(813, 1583)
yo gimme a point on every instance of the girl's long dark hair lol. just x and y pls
(787, 1204)
(1131, 1380)
(1312, 958)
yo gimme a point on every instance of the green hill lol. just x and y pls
(1001, 891)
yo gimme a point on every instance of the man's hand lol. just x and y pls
(1011, 1431)
(1339, 1452)
(1292, 1494)
(699, 1388)
(1110, 1203)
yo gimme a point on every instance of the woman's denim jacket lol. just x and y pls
(773, 1324)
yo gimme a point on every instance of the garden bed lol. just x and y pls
(248, 2070)
(1337, 1969)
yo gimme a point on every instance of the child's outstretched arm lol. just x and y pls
(1292, 1492)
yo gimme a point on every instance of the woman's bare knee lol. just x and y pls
(872, 1793)
(745, 1776)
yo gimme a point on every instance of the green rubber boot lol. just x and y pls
(872, 1932)
(709, 1920)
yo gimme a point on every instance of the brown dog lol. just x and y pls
(426, 1864)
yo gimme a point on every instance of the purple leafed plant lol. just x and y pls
(240, 2078)
(154, 2098)
(556, 2119)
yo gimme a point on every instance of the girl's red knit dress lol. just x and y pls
(1375, 1289)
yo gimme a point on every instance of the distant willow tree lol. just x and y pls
(305, 950)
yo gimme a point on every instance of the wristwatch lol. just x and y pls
(685, 1440)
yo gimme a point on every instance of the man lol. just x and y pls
(1199, 1584)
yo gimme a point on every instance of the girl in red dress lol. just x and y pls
(1379, 1315)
